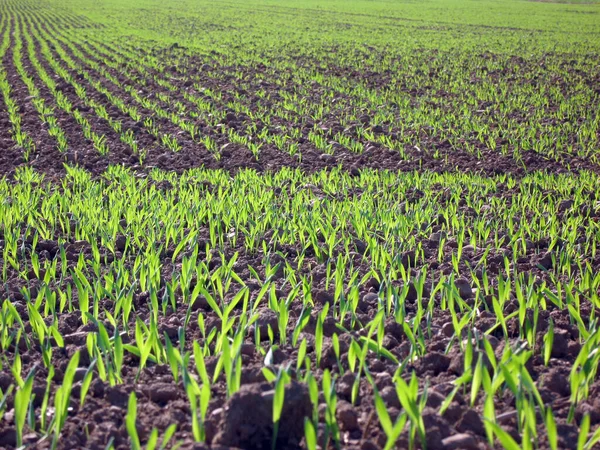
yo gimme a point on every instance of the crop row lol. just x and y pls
(485, 288)
(131, 102)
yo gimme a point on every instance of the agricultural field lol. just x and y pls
(315, 224)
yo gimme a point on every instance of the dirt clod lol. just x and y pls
(247, 417)
(347, 416)
(560, 345)
(557, 382)
(471, 422)
(464, 288)
(545, 260)
(565, 205)
(462, 441)
(435, 362)
(161, 392)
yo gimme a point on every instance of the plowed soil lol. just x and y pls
(244, 421)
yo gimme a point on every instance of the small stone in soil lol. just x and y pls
(370, 299)
(327, 158)
(80, 373)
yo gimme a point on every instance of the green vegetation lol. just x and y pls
(389, 211)
(459, 223)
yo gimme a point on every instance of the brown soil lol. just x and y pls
(244, 419)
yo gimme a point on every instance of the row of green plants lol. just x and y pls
(179, 249)
(19, 136)
(421, 107)
(46, 114)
